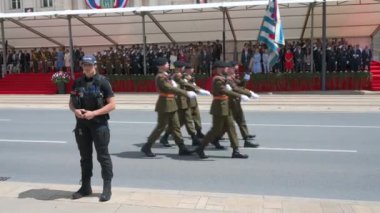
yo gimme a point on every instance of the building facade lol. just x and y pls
(16, 6)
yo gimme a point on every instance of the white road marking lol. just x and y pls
(3, 119)
(30, 141)
(267, 125)
(304, 150)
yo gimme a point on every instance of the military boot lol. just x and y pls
(237, 154)
(200, 135)
(106, 194)
(183, 150)
(164, 140)
(217, 145)
(84, 190)
(147, 151)
(195, 140)
(251, 136)
(249, 144)
(200, 152)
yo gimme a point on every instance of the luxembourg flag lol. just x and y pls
(271, 32)
(100, 4)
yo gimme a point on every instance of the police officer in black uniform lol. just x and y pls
(91, 100)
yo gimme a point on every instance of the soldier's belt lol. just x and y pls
(221, 97)
(167, 95)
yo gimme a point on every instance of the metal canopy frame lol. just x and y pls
(194, 22)
(235, 14)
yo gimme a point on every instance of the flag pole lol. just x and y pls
(324, 44)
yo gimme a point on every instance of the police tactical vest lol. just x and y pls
(88, 95)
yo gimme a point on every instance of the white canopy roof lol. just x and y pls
(187, 23)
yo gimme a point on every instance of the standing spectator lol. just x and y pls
(194, 59)
(173, 58)
(298, 59)
(67, 59)
(27, 62)
(182, 56)
(307, 60)
(60, 57)
(77, 56)
(205, 59)
(266, 66)
(342, 59)
(49, 60)
(246, 55)
(289, 61)
(35, 60)
(255, 63)
(366, 57)
(15, 63)
(356, 58)
(10, 62)
(1, 64)
(54, 60)
(330, 59)
(317, 54)
(22, 61)
(217, 51)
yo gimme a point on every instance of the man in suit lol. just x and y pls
(246, 56)
(366, 57)
(298, 59)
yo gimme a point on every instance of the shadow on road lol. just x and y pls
(49, 194)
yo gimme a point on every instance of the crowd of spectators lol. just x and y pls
(295, 56)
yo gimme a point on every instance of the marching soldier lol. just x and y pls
(184, 111)
(193, 103)
(166, 108)
(221, 113)
(237, 110)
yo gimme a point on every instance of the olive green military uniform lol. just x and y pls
(184, 112)
(235, 105)
(194, 109)
(35, 58)
(166, 108)
(221, 113)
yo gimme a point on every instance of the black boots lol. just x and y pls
(249, 144)
(84, 190)
(195, 140)
(251, 136)
(164, 140)
(200, 135)
(217, 145)
(200, 152)
(183, 150)
(147, 151)
(106, 194)
(237, 154)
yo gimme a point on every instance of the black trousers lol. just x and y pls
(97, 133)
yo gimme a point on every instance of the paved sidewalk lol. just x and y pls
(47, 198)
(334, 101)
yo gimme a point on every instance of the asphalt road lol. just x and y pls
(303, 154)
